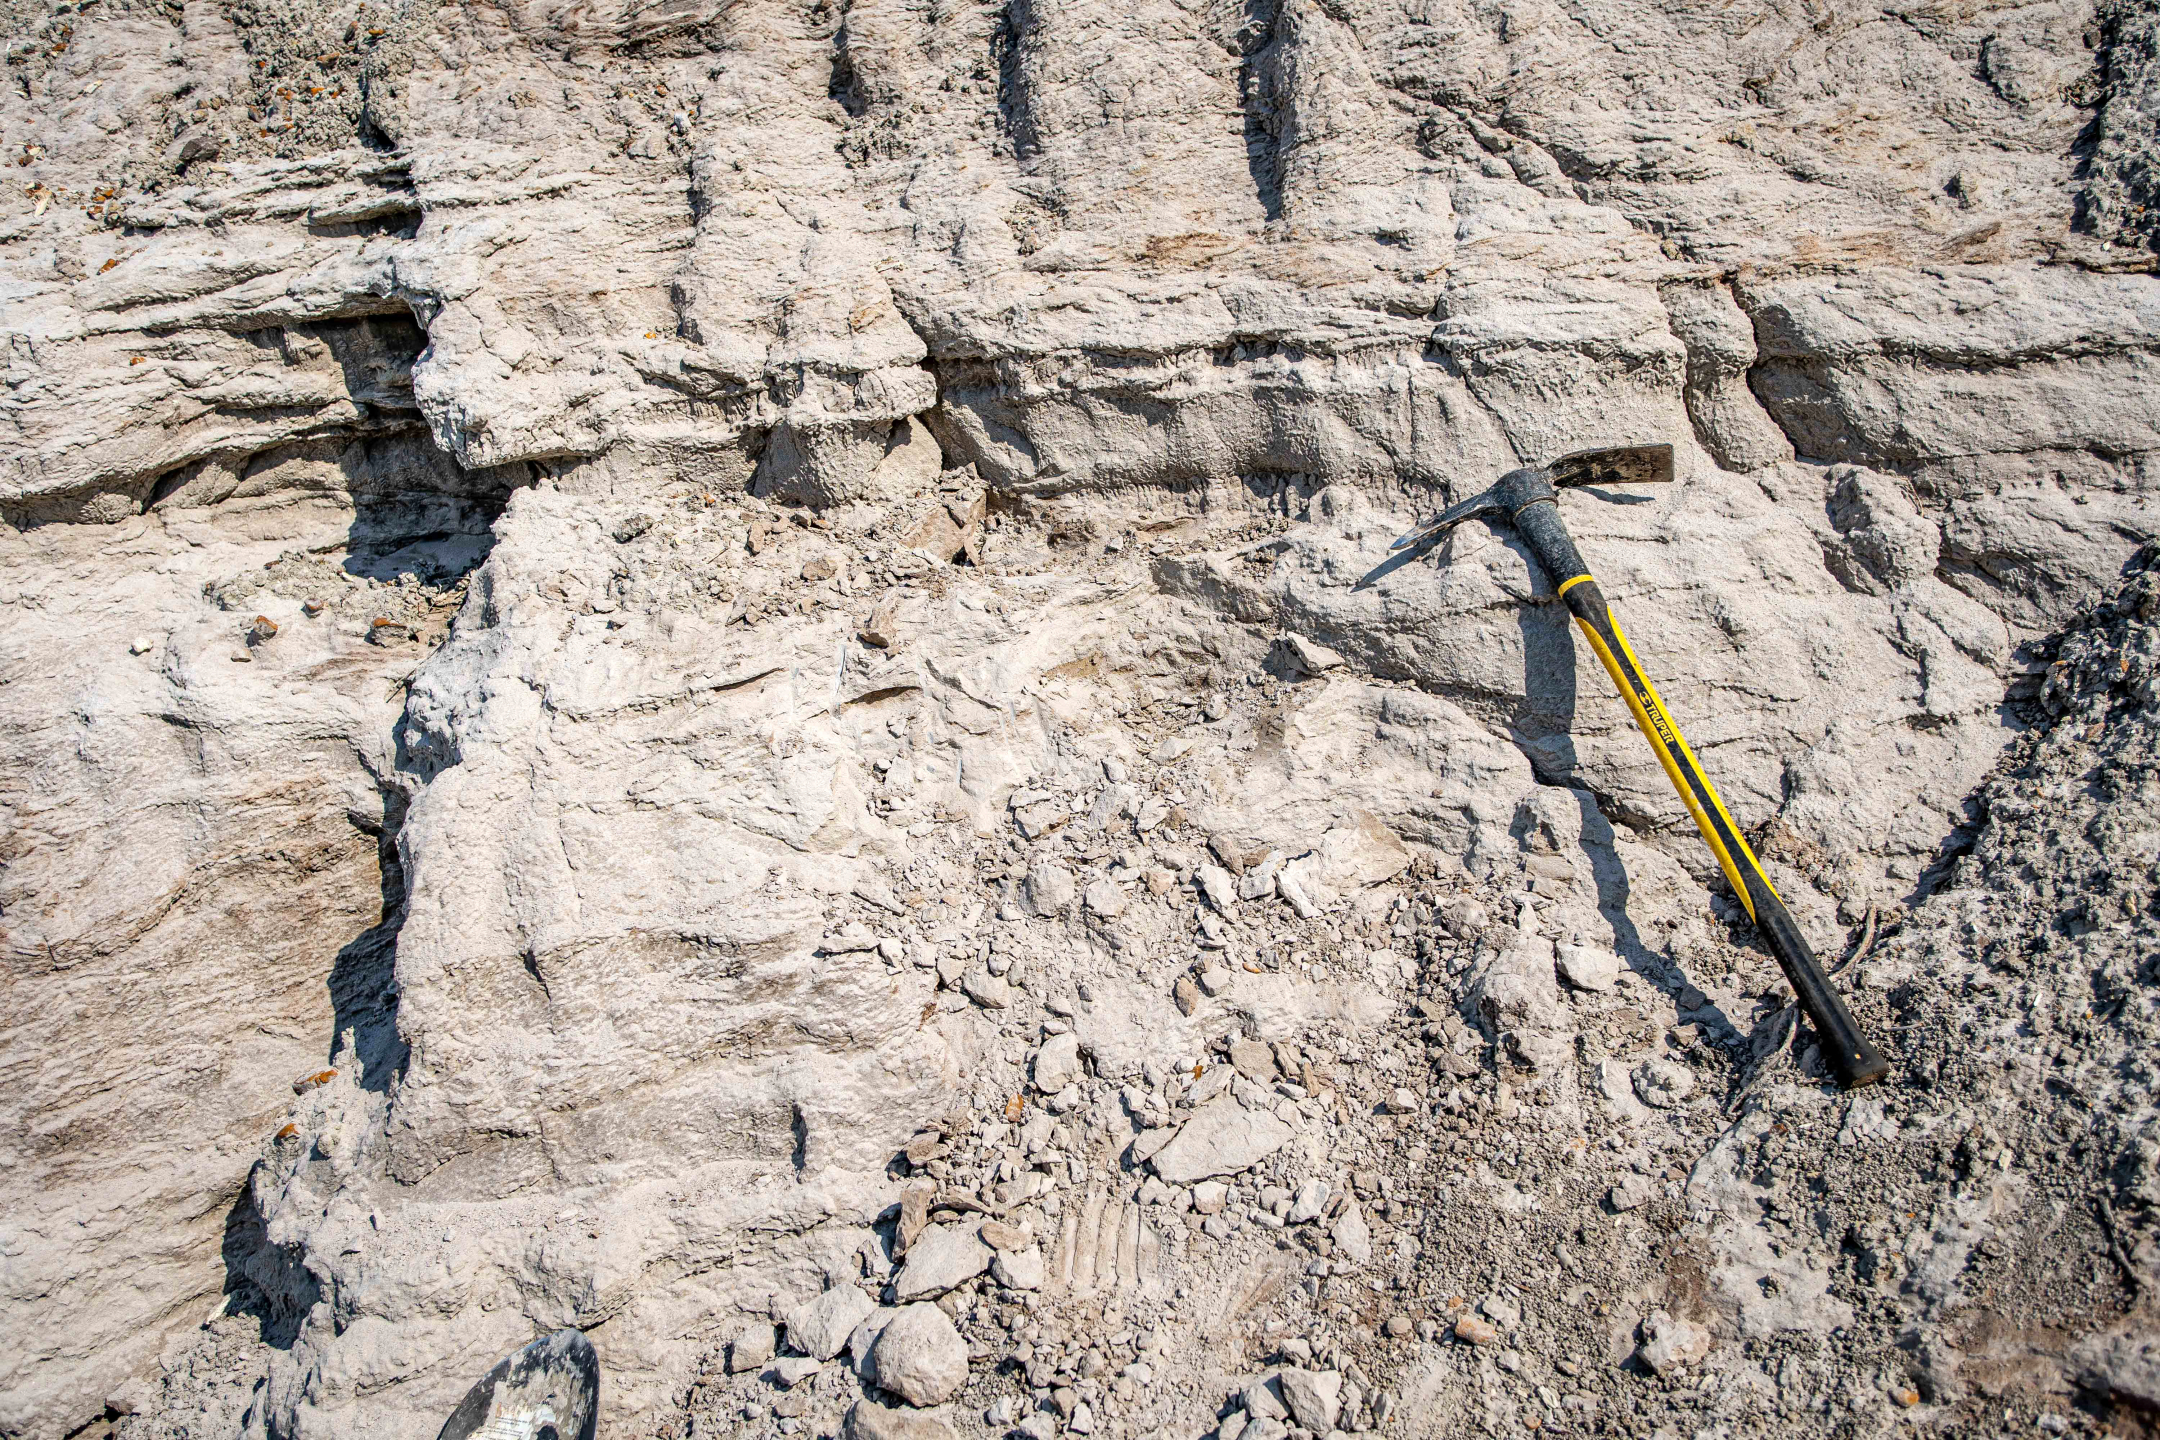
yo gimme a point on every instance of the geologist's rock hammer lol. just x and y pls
(1529, 497)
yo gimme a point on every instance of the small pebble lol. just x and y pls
(1473, 1331)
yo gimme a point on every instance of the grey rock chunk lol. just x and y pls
(862, 1344)
(2125, 1364)
(868, 1420)
(1587, 967)
(1661, 1084)
(1057, 1063)
(1221, 1138)
(1352, 1234)
(878, 893)
(1670, 1344)
(819, 1328)
(750, 1350)
(1218, 888)
(791, 1370)
(1020, 1269)
(992, 992)
(920, 1357)
(1049, 888)
(940, 1258)
(1310, 656)
(1314, 1397)
(1106, 898)
(1263, 1400)
(1253, 1060)
(1040, 818)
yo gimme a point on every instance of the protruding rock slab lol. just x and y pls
(1221, 1138)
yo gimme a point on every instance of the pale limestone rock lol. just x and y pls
(1057, 1063)
(1106, 898)
(1662, 1084)
(1314, 1397)
(868, 1420)
(1019, 1269)
(750, 1350)
(819, 1328)
(445, 341)
(1049, 888)
(1670, 1344)
(1311, 1199)
(1589, 967)
(920, 1357)
(1221, 1138)
(1352, 1235)
(940, 1258)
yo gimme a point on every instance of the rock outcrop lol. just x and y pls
(648, 650)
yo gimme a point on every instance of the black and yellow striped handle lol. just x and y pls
(1850, 1056)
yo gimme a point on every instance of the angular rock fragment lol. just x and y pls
(940, 1258)
(992, 992)
(1662, 1084)
(1352, 1235)
(819, 1328)
(751, 1350)
(1221, 1138)
(868, 1420)
(791, 1370)
(1314, 1397)
(1310, 656)
(1310, 1201)
(1019, 1269)
(1670, 1344)
(1057, 1063)
(1253, 1060)
(1049, 888)
(1106, 898)
(1586, 967)
(920, 1356)
(1003, 1237)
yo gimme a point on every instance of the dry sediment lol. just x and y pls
(664, 663)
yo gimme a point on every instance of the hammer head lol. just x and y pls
(1616, 465)
(1621, 465)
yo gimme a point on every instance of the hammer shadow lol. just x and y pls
(1544, 730)
(1401, 558)
(1616, 497)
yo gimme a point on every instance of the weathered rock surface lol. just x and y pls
(940, 1258)
(1221, 1138)
(521, 525)
(820, 1328)
(920, 1357)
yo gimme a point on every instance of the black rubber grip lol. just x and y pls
(1541, 528)
(1850, 1057)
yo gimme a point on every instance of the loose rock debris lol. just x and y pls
(904, 477)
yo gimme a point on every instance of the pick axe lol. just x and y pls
(1530, 498)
